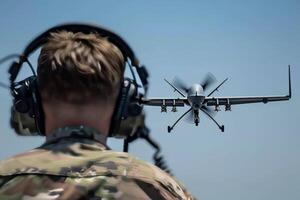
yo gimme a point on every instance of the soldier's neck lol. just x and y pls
(92, 115)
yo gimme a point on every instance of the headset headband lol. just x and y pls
(84, 28)
(75, 28)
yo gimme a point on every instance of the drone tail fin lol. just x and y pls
(290, 84)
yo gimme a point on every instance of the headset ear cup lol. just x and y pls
(22, 106)
(27, 108)
(135, 109)
(124, 106)
(22, 124)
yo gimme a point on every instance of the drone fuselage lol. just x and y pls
(196, 96)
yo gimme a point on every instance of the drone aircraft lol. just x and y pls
(195, 98)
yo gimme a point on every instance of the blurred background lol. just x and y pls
(251, 42)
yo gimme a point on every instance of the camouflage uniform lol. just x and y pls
(74, 164)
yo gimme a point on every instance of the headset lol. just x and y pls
(27, 116)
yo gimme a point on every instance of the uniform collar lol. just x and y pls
(75, 131)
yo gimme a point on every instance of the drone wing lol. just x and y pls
(164, 102)
(227, 101)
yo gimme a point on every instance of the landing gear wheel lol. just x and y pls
(222, 128)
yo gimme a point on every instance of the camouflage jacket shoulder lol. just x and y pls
(82, 168)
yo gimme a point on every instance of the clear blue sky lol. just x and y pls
(251, 42)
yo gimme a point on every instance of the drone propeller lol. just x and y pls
(180, 85)
(209, 80)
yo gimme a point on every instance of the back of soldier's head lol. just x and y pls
(78, 68)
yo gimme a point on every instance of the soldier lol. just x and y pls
(79, 77)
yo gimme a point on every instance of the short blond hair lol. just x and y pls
(77, 68)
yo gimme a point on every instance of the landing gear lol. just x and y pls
(170, 128)
(196, 118)
(221, 127)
